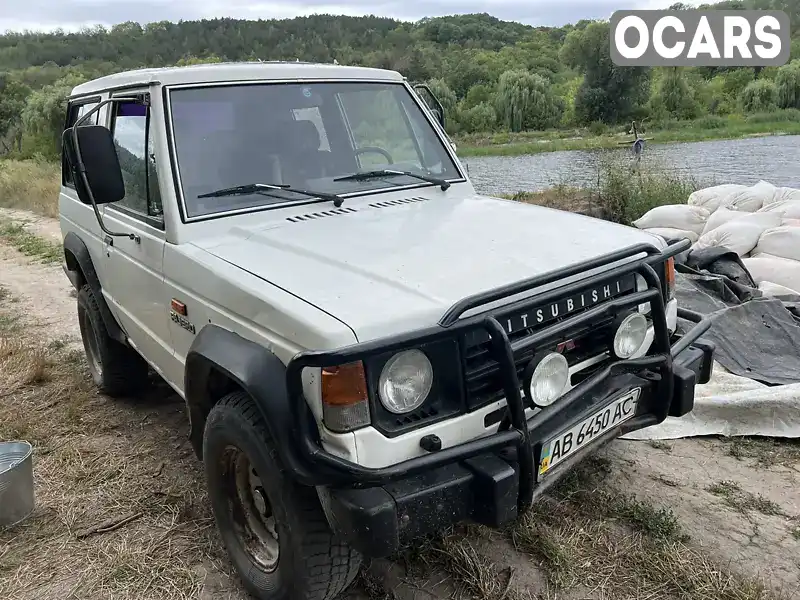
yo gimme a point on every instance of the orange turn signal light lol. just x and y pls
(344, 385)
(670, 276)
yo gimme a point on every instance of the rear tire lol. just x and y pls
(116, 369)
(275, 532)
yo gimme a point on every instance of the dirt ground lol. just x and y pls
(122, 511)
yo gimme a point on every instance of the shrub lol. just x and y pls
(598, 128)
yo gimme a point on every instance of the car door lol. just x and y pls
(134, 280)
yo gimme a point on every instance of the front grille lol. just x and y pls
(483, 381)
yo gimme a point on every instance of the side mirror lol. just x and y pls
(94, 149)
(439, 116)
(432, 102)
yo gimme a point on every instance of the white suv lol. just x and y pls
(369, 350)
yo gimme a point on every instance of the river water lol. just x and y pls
(775, 159)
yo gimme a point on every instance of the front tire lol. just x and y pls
(275, 532)
(116, 369)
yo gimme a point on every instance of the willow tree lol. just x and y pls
(45, 112)
(788, 83)
(760, 95)
(526, 101)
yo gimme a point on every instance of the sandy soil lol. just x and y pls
(737, 500)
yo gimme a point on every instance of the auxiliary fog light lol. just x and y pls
(630, 336)
(547, 377)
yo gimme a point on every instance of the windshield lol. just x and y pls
(305, 135)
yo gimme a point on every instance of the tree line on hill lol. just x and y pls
(490, 75)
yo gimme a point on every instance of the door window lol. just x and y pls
(133, 139)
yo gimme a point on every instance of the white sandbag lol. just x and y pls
(784, 194)
(739, 235)
(790, 223)
(721, 216)
(788, 209)
(670, 233)
(750, 199)
(675, 216)
(768, 288)
(710, 197)
(765, 267)
(780, 241)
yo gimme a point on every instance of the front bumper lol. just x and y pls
(485, 488)
(494, 478)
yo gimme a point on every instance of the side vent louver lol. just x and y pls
(321, 214)
(399, 202)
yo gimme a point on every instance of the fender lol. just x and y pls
(79, 261)
(255, 370)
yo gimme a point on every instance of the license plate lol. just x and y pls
(584, 433)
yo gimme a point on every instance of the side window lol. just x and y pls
(133, 140)
(74, 112)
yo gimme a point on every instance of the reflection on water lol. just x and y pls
(775, 159)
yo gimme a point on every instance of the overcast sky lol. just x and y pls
(73, 14)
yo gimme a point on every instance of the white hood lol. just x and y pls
(393, 267)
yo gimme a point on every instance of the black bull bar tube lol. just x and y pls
(328, 469)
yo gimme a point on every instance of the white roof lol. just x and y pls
(243, 71)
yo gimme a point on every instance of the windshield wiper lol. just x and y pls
(262, 188)
(363, 175)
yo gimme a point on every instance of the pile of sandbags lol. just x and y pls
(761, 223)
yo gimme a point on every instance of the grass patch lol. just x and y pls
(743, 501)
(93, 460)
(30, 244)
(670, 131)
(620, 195)
(588, 536)
(765, 451)
(660, 445)
(30, 185)
(590, 540)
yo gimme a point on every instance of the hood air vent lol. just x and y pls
(321, 214)
(400, 202)
(346, 210)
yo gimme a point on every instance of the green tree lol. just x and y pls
(526, 101)
(45, 113)
(12, 100)
(673, 96)
(608, 93)
(479, 118)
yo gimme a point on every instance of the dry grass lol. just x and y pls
(94, 460)
(31, 185)
(744, 501)
(590, 535)
(564, 198)
(591, 541)
(30, 244)
(766, 452)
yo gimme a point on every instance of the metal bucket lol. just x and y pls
(16, 482)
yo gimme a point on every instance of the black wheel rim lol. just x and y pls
(91, 346)
(250, 510)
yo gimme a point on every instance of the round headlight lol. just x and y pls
(630, 335)
(548, 379)
(405, 381)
